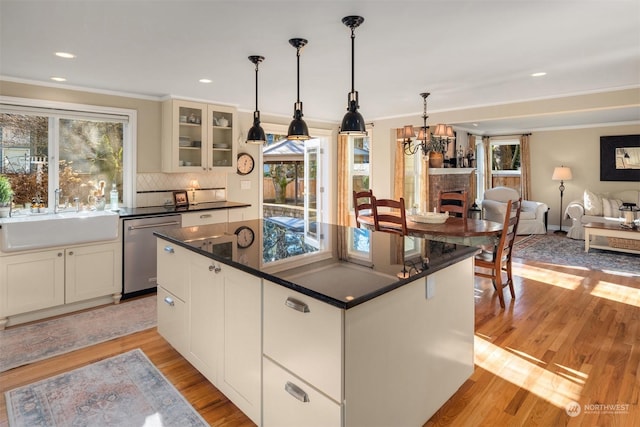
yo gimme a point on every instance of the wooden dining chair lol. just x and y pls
(362, 203)
(499, 260)
(453, 202)
(394, 221)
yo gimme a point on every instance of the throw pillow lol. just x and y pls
(611, 207)
(592, 203)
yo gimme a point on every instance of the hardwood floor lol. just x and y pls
(571, 335)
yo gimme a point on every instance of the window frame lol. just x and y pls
(58, 109)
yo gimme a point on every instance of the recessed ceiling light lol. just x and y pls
(539, 74)
(58, 79)
(204, 81)
(65, 55)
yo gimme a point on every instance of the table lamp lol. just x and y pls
(562, 174)
(193, 184)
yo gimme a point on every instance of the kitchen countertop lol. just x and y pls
(333, 275)
(171, 209)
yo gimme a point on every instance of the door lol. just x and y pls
(312, 191)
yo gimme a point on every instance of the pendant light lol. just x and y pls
(256, 133)
(352, 122)
(298, 129)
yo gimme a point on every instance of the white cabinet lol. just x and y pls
(44, 279)
(172, 319)
(291, 402)
(198, 137)
(399, 356)
(31, 281)
(221, 335)
(214, 216)
(205, 323)
(171, 268)
(92, 271)
(240, 375)
(304, 335)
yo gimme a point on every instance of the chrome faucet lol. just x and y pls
(56, 202)
(76, 200)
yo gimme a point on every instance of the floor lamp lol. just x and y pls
(562, 174)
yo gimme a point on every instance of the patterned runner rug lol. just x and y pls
(29, 343)
(125, 390)
(561, 250)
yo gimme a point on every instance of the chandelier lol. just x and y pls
(426, 141)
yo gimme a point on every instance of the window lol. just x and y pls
(359, 165)
(80, 149)
(412, 181)
(505, 156)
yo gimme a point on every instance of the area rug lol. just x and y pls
(561, 250)
(125, 390)
(32, 342)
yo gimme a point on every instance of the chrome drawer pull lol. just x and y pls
(297, 305)
(296, 392)
(204, 216)
(169, 301)
(169, 249)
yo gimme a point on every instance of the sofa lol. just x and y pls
(594, 207)
(532, 214)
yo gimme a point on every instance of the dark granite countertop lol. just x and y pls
(352, 265)
(170, 209)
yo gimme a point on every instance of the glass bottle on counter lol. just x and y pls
(113, 197)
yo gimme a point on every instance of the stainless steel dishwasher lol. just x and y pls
(139, 252)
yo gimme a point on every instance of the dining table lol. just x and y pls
(457, 230)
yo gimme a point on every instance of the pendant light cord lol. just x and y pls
(353, 62)
(298, 73)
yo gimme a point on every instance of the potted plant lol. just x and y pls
(6, 193)
(436, 146)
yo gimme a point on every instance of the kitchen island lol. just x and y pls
(337, 326)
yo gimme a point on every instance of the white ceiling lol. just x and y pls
(466, 53)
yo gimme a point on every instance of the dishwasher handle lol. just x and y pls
(160, 224)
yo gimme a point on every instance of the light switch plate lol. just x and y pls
(431, 287)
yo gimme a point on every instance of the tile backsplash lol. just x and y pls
(156, 189)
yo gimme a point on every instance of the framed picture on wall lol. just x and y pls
(620, 158)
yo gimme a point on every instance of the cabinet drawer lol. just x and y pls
(193, 219)
(171, 274)
(304, 335)
(172, 319)
(284, 402)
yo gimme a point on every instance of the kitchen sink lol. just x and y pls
(36, 231)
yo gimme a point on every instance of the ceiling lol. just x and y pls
(465, 53)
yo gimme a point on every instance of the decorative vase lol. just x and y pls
(436, 159)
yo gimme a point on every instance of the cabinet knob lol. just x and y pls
(297, 305)
(169, 249)
(215, 269)
(59, 254)
(296, 392)
(169, 301)
(70, 252)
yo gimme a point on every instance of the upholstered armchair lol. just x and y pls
(532, 215)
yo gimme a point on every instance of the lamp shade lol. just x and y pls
(408, 132)
(423, 133)
(441, 130)
(450, 133)
(562, 173)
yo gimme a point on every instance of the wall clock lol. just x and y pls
(246, 236)
(245, 164)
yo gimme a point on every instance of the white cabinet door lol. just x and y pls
(304, 335)
(172, 319)
(31, 282)
(290, 402)
(171, 268)
(204, 315)
(215, 216)
(240, 375)
(92, 271)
